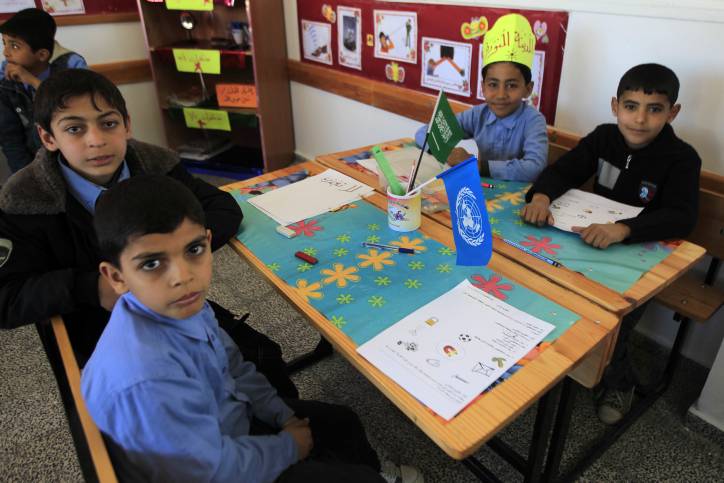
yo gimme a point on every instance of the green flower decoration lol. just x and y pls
(344, 238)
(274, 266)
(373, 227)
(376, 301)
(373, 239)
(383, 281)
(445, 251)
(303, 267)
(417, 265)
(340, 252)
(310, 251)
(338, 321)
(345, 298)
(518, 222)
(444, 268)
(413, 283)
(497, 232)
(493, 221)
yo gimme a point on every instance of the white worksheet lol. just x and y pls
(450, 350)
(310, 197)
(580, 208)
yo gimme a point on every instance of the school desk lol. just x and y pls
(488, 414)
(620, 302)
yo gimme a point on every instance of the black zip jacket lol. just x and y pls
(662, 177)
(51, 266)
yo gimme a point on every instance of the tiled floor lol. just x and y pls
(35, 444)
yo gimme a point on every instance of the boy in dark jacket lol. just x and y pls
(31, 55)
(47, 209)
(638, 161)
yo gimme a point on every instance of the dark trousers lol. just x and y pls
(259, 349)
(341, 451)
(619, 375)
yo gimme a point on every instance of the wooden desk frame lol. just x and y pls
(497, 408)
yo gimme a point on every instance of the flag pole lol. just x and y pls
(416, 166)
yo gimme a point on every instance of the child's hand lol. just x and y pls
(537, 212)
(457, 156)
(21, 74)
(302, 434)
(106, 295)
(602, 235)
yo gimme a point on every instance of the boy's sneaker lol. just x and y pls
(393, 473)
(614, 405)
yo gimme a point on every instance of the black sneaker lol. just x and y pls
(614, 405)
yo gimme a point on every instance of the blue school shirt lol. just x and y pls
(87, 192)
(177, 397)
(516, 146)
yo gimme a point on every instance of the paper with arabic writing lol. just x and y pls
(448, 351)
(310, 197)
(580, 208)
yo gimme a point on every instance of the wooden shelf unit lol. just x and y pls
(268, 128)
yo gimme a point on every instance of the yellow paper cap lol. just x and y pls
(510, 40)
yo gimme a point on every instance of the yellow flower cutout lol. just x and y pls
(405, 242)
(309, 291)
(493, 205)
(340, 275)
(376, 259)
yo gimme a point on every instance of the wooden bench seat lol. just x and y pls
(90, 447)
(692, 298)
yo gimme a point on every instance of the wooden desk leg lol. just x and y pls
(560, 429)
(323, 349)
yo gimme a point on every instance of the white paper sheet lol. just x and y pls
(448, 351)
(580, 208)
(310, 197)
(12, 6)
(401, 161)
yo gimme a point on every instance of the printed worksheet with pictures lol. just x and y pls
(450, 350)
(580, 208)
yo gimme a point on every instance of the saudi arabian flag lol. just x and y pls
(444, 131)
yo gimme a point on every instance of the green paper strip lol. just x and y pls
(386, 169)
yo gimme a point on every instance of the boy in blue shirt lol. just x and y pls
(511, 135)
(31, 55)
(172, 391)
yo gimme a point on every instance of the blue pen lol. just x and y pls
(531, 252)
(388, 247)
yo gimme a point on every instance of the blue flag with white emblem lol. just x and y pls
(469, 216)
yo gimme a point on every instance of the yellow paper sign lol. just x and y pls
(207, 119)
(236, 95)
(196, 60)
(207, 5)
(510, 40)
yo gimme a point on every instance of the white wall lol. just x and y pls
(605, 38)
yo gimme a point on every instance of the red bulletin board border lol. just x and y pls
(443, 22)
(93, 7)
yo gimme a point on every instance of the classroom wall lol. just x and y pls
(115, 42)
(604, 39)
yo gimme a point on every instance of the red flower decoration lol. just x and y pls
(306, 228)
(491, 286)
(544, 244)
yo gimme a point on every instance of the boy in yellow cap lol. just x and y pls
(510, 135)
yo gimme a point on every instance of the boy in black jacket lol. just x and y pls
(638, 161)
(47, 209)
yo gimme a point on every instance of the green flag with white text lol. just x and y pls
(444, 131)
